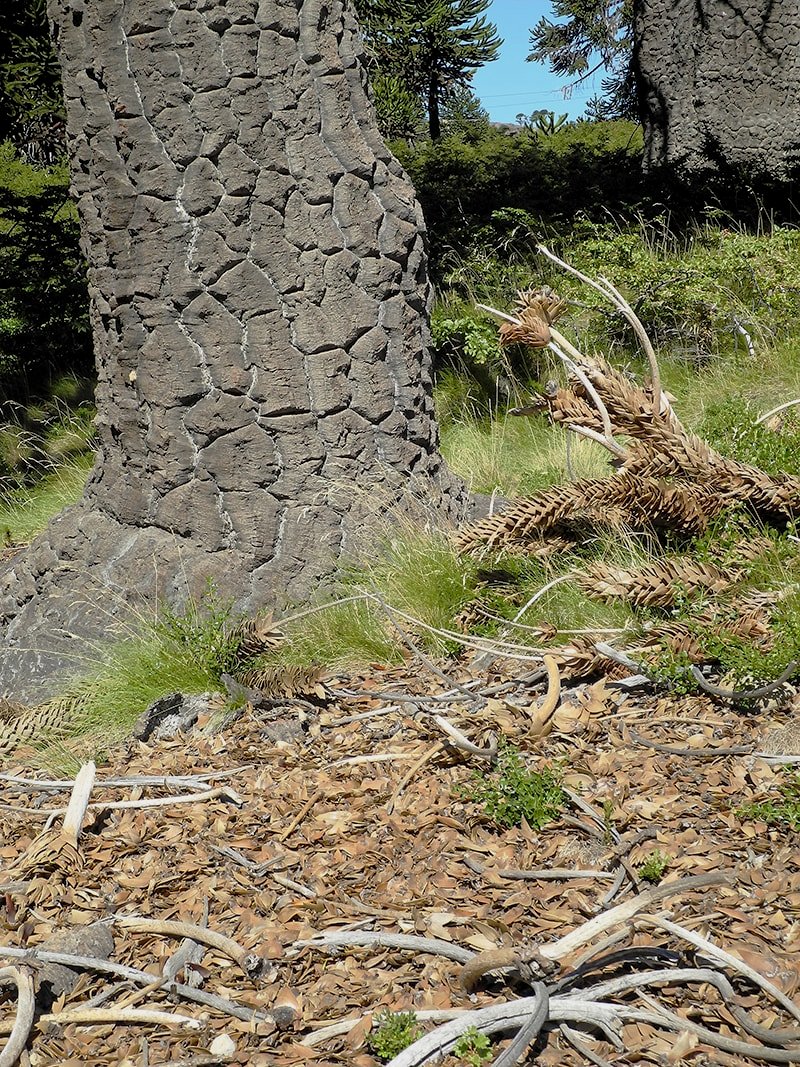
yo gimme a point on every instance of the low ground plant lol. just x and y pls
(512, 792)
(783, 811)
(654, 867)
(392, 1032)
(473, 1048)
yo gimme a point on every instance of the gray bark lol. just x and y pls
(259, 302)
(720, 87)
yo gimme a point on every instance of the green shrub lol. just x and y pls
(654, 867)
(473, 1048)
(512, 793)
(393, 1032)
(781, 812)
(460, 184)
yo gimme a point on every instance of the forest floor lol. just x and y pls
(352, 816)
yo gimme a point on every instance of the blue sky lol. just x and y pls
(511, 85)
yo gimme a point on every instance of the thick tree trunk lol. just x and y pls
(259, 297)
(720, 89)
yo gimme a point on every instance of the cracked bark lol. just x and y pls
(259, 301)
(719, 83)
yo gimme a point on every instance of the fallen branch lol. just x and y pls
(23, 1020)
(561, 948)
(222, 791)
(378, 939)
(246, 961)
(415, 767)
(126, 1016)
(724, 958)
(130, 974)
(700, 753)
(737, 695)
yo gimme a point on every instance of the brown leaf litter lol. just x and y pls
(314, 846)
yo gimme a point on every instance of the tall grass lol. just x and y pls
(25, 512)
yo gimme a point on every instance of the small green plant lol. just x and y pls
(204, 629)
(608, 821)
(512, 792)
(473, 1048)
(654, 866)
(392, 1032)
(782, 812)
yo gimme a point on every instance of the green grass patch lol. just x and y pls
(25, 512)
(518, 456)
(414, 584)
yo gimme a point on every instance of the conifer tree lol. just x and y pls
(433, 46)
(591, 35)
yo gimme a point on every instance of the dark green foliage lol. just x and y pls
(31, 106)
(462, 185)
(588, 35)
(512, 793)
(398, 109)
(464, 116)
(44, 322)
(432, 46)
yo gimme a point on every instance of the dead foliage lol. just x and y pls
(229, 894)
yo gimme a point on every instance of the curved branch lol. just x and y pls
(735, 695)
(774, 411)
(26, 1007)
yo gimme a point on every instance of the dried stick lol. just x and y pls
(78, 802)
(426, 757)
(744, 694)
(23, 1021)
(130, 974)
(724, 958)
(561, 948)
(129, 1016)
(443, 1038)
(528, 1032)
(612, 294)
(223, 791)
(306, 808)
(463, 742)
(774, 411)
(378, 939)
(539, 594)
(575, 1039)
(234, 951)
(181, 781)
(702, 753)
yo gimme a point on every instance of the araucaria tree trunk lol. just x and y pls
(259, 297)
(719, 85)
